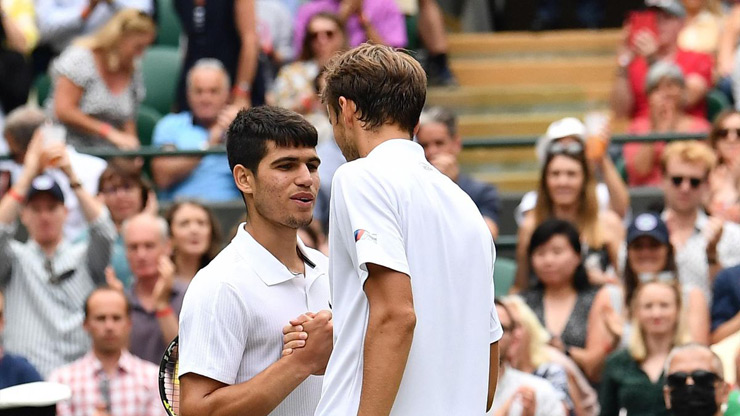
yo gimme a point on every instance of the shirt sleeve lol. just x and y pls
(496, 331)
(489, 202)
(213, 332)
(724, 303)
(100, 246)
(171, 130)
(57, 19)
(6, 254)
(77, 64)
(608, 390)
(367, 210)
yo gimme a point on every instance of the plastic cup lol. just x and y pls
(53, 134)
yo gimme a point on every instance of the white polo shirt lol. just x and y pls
(392, 208)
(234, 311)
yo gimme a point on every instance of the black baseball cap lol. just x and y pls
(45, 184)
(648, 224)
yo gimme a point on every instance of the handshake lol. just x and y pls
(308, 339)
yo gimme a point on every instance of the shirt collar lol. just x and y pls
(396, 147)
(269, 269)
(699, 223)
(125, 362)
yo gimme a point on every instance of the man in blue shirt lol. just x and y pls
(208, 177)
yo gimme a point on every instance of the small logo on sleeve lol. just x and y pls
(361, 234)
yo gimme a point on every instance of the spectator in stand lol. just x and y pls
(60, 21)
(14, 369)
(650, 256)
(644, 49)
(724, 180)
(579, 389)
(563, 296)
(378, 21)
(431, 30)
(47, 279)
(611, 191)
(20, 126)
(294, 86)
(707, 392)
(532, 356)
(518, 391)
(204, 177)
(704, 245)
(633, 377)
(438, 136)
(702, 27)
(155, 297)
(126, 193)
(275, 32)
(98, 84)
(196, 237)
(109, 380)
(666, 90)
(567, 191)
(225, 30)
(726, 304)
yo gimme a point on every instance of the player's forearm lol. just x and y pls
(492, 374)
(621, 99)
(256, 397)
(386, 351)
(726, 329)
(619, 197)
(170, 170)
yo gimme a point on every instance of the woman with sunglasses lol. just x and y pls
(650, 256)
(666, 88)
(633, 378)
(563, 297)
(567, 190)
(294, 85)
(724, 180)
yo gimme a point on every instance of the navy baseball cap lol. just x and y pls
(45, 184)
(648, 224)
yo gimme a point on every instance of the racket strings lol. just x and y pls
(171, 383)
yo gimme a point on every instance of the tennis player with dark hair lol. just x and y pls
(236, 307)
(411, 257)
(109, 380)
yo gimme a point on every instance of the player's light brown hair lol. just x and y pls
(387, 85)
(690, 151)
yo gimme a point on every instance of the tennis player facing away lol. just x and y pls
(411, 258)
(235, 308)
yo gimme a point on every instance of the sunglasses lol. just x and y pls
(701, 378)
(572, 149)
(693, 182)
(56, 278)
(656, 277)
(723, 133)
(329, 34)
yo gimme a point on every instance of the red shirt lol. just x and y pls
(689, 62)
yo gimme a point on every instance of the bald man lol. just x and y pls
(695, 382)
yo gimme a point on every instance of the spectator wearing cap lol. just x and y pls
(694, 383)
(645, 48)
(439, 138)
(611, 191)
(20, 124)
(704, 245)
(47, 279)
(650, 256)
(666, 88)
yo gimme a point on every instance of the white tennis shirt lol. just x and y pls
(234, 311)
(392, 208)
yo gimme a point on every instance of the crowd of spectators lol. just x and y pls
(603, 300)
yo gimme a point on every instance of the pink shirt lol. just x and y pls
(134, 389)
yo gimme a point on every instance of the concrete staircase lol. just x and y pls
(515, 84)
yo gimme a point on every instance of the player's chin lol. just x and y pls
(300, 220)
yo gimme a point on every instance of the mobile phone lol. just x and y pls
(642, 20)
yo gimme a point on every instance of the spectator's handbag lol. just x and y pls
(15, 76)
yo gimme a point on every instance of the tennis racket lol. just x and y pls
(169, 383)
(37, 394)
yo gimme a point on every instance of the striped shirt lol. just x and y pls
(44, 297)
(131, 391)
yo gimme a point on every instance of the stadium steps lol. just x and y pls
(516, 84)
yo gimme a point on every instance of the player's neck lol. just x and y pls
(280, 241)
(367, 140)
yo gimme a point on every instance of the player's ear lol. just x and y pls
(244, 179)
(347, 108)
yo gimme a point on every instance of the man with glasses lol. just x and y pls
(694, 382)
(703, 244)
(46, 279)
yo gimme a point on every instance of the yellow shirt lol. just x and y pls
(22, 13)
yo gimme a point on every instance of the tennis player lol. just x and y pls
(411, 258)
(235, 308)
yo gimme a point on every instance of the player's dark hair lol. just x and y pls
(248, 134)
(106, 288)
(388, 86)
